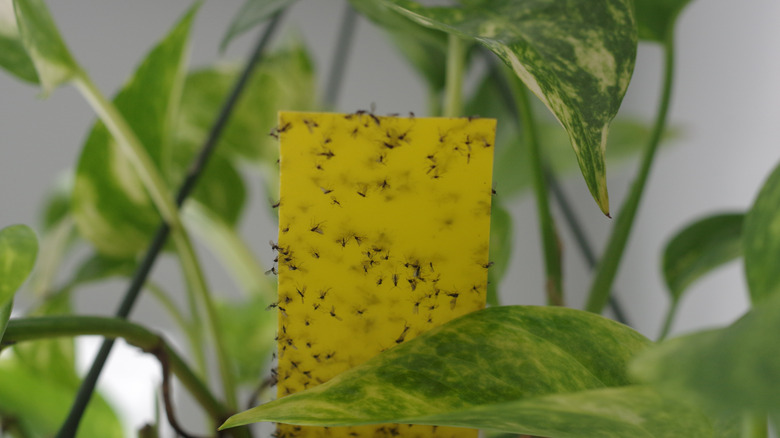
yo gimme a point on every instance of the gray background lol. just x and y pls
(727, 100)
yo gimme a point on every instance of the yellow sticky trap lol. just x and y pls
(383, 234)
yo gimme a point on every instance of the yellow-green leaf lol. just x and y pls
(497, 355)
(41, 38)
(18, 250)
(13, 56)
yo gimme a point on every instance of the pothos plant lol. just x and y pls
(162, 161)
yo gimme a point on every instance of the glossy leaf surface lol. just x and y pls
(251, 14)
(577, 57)
(18, 251)
(656, 18)
(700, 248)
(732, 369)
(499, 354)
(110, 205)
(761, 241)
(52, 59)
(13, 56)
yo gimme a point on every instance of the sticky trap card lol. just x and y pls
(383, 234)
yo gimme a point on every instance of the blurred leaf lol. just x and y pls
(500, 354)
(656, 18)
(56, 204)
(98, 267)
(40, 37)
(18, 250)
(55, 358)
(5, 315)
(110, 205)
(732, 370)
(41, 403)
(231, 250)
(761, 241)
(13, 56)
(283, 80)
(220, 187)
(500, 249)
(425, 49)
(699, 248)
(251, 341)
(576, 57)
(251, 14)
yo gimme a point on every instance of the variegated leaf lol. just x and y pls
(577, 56)
(41, 38)
(497, 355)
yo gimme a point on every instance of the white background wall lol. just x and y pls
(727, 100)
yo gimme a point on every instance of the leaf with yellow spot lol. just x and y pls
(384, 225)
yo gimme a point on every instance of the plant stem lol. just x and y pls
(165, 301)
(343, 46)
(610, 261)
(29, 329)
(456, 61)
(70, 426)
(754, 426)
(668, 320)
(581, 239)
(232, 251)
(550, 242)
(197, 283)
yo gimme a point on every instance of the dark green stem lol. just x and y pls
(610, 261)
(550, 242)
(581, 239)
(343, 48)
(30, 329)
(70, 426)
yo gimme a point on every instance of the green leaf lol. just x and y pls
(251, 339)
(425, 49)
(731, 370)
(499, 354)
(700, 248)
(577, 57)
(220, 187)
(99, 267)
(13, 56)
(761, 241)
(52, 59)
(631, 411)
(252, 13)
(110, 205)
(283, 80)
(5, 315)
(18, 250)
(656, 18)
(500, 249)
(41, 403)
